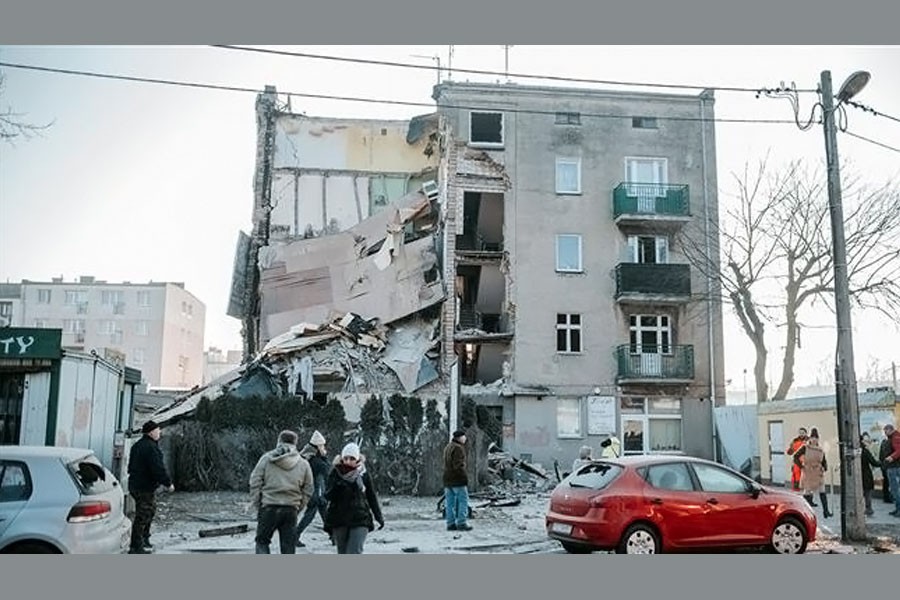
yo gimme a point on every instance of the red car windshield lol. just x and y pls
(595, 476)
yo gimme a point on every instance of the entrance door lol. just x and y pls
(778, 472)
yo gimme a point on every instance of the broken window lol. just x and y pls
(486, 128)
(568, 118)
(644, 123)
(568, 253)
(568, 175)
(568, 333)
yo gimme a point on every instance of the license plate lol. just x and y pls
(561, 528)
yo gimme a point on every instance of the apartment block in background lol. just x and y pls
(158, 326)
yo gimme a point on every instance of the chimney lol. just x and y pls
(86, 279)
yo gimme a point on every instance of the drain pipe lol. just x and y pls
(709, 282)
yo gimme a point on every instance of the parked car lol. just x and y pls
(653, 504)
(59, 501)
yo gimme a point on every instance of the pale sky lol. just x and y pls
(140, 181)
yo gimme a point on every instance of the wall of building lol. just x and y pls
(182, 341)
(534, 214)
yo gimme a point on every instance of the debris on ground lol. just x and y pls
(232, 530)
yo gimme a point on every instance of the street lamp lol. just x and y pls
(853, 523)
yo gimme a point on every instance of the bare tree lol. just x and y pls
(13, 125)
(777, 256)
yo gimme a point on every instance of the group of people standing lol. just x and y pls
(610, 448)
(809, 467)
(286, 481)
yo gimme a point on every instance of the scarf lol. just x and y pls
(355, 475)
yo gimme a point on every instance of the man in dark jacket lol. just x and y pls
(315, 453)
(456, 483)
(868, 480)
(891, 464)
(146, 472)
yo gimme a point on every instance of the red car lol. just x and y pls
(653, 504)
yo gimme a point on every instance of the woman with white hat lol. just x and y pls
(352, 502)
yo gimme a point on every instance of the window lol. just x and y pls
(671, 476)
(651, 425)
(568, 333)
(568, 417)
(647, 179)
(644, 123)
(594, 476)
(646, 249)
(714, 479)
(76, 297)
(73, 325)
(15, 483)
(568, 118)
(143, 298)
(650, 334)
(91, 476)
(44, 296)
(137, 357)
(112, 297)
(142, 328)
(568, 253)
(6, 309)
(486, 128)
(107, 327)
(568, 175)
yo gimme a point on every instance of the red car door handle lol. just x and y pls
(656, 501)
(712, 501)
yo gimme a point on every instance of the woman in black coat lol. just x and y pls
(352, 502)
(868, 480)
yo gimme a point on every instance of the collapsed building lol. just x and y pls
(521, 246)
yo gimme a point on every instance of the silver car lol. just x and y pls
(57, 500)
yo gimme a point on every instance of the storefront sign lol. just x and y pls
(20, 342)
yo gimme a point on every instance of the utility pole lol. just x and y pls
(853, 523)
(506, 61)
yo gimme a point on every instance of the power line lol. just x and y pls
(389, 63)
(851, 134)
(232, 88)
(869, 109)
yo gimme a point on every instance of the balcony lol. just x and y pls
(659, 283)
(643, 203)
(674, 364)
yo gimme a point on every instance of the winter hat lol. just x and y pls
(458, 433)
(317, 439)
(350, 449)
(814, 433)
(149, 426)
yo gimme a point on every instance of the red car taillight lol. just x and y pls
(89, 511)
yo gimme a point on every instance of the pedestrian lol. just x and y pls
(281, 484)
(314, 452)
(891, 464)
(584, 457)
(146, 473)
(811, 460)
(883, 452)
(868, 480)
(795, 445)
(352, 502)
(456, 483)
(612, 447)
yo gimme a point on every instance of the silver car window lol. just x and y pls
(15, 484)
(91, 476)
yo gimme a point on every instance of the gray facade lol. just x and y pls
(563, 210)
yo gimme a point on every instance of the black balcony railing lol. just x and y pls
(653, 279)
(655, 362)
(651, 199)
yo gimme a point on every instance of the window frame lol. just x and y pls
(481, 144)
(579, 250)
(569, 328)
(567, 118)
(568, 160)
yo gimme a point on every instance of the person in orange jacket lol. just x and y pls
(795, 445)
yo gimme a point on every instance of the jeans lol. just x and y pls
(349, 540)
(316, 504)
(272, 518)
(144, 511)
(893, 474)
(456, 503)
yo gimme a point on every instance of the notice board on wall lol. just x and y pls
(601, 417)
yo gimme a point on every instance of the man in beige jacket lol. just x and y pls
(280, 486)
